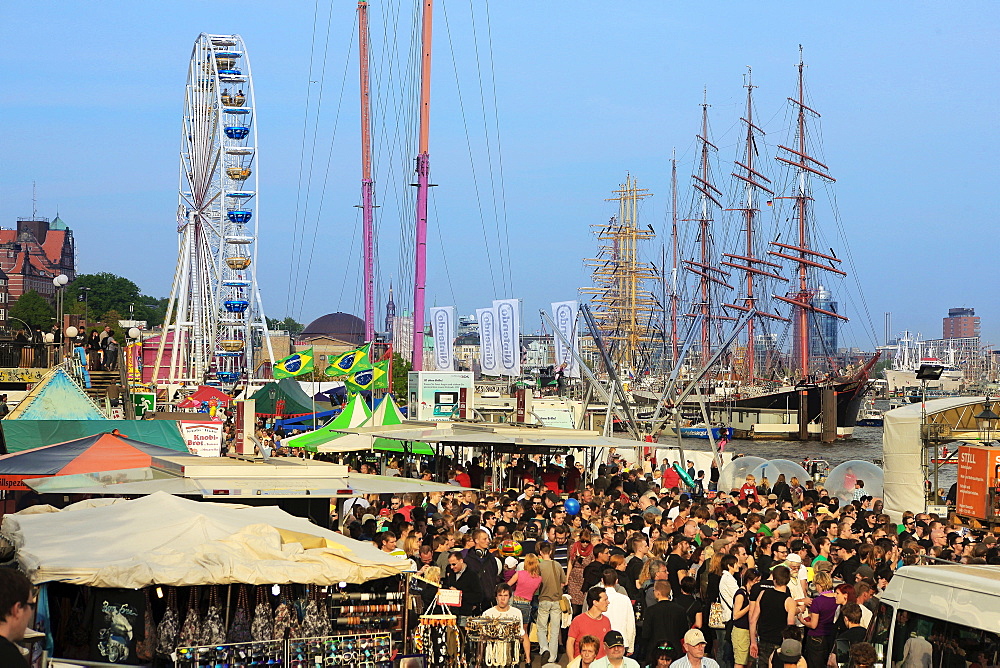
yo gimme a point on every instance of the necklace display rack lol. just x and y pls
(492, 643)
(440, 639)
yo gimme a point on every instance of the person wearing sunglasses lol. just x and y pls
(17, 610)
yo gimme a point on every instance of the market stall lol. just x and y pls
(168, 581)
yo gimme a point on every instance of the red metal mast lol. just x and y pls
(804, 256)
(423, 184)
(753, 181)
(367, 184)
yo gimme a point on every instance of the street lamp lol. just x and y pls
(925, 373)
(987, 422)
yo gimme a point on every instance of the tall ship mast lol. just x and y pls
(622, 304)
(709, 275)
(755, 186)
(808, 262)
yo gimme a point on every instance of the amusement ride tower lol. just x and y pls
(215, 318)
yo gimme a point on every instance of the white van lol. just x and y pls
(955, 608)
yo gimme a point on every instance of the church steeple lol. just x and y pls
(390, 315)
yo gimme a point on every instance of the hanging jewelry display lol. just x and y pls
(492, 642)
(439, 637)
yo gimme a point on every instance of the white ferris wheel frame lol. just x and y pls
(204, 331)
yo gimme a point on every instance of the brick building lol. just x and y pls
(961, 323)
(34, 253)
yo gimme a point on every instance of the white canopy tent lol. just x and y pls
(164, 539)
(903, 456)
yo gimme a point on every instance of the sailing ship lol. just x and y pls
(811, 398)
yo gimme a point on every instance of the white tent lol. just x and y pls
(163, 539)
(903, 456)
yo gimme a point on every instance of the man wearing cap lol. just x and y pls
(788, 655)
(614, 646)
(694, 652)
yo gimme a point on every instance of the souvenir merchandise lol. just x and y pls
(190, 635)
(117, 625)
(262, 627)
(270, 653)
(239, 628)
(491, 642)
(439, 637)
(286, 619)
(169, 627)
(316, 616)
(213, 630)
(145, 649)
(345, 651)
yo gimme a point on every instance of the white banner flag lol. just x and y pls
(443, 328)
(489, 354)
(564, 314)
(509, 335)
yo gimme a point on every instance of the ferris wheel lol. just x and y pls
(215, 318)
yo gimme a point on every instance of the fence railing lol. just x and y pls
(25, 355)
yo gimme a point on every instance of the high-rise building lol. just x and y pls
(961, 323)
(823, 327)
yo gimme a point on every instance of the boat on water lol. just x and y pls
(700, 431)
(871, 416)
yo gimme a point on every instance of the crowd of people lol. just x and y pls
(626, 571)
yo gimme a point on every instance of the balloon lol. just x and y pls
(572, 506)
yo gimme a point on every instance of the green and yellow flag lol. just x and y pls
(350, 362)
(295, 364)
(381, 379)
(365, 379)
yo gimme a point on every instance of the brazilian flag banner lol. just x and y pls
(381, 376)
(364, 379)
(295, 364)
(349, 362)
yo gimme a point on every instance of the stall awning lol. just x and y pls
(167, 540)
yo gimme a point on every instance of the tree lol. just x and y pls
(109, 292)
(35, 310)
(289, 324)
(400, 378)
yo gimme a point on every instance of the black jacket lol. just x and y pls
(664, 622)
(468, 584)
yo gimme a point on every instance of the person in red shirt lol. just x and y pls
(462, 477)
(749, 489)
(593, 622)
(671, 478)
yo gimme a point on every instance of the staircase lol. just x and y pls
(99, 383)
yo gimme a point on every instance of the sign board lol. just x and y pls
(144, 402)
(450, 597)
(202, 438)
(553, 416)
(978, 471)
(434, 395)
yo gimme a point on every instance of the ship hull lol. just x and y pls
(776, 415)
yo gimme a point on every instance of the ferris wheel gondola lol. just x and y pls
(215, 320)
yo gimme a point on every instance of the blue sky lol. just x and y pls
(91, 97)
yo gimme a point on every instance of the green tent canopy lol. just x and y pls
(354, 414)
(284, 397)
(26, 434)
(388, 413)
(392, 445)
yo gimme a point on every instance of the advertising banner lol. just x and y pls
(978, 471)
(508, 319)
(202, 438)
(564, 314)
(443, 329)
(489, 353)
